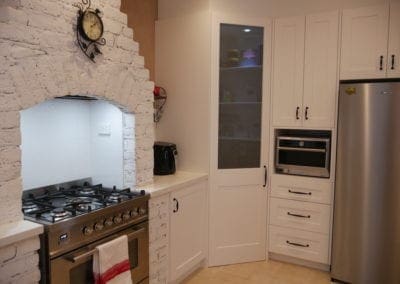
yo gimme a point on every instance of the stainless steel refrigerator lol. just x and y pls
(366, 225)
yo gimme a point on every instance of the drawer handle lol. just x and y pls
(297, 244)
(298, 215)
(299, 192)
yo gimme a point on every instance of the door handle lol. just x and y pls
(306, 113)
(297, 244)
(265, 176)
(299, 215)
(299, 192)
(91, 252)
(392, 68)
(381, 62)
(176, 205)
(297, 113)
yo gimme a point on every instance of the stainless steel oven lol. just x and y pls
(305, 153)
(76, 267)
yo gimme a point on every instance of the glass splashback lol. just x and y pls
(240, 96)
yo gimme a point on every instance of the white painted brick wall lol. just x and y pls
(158, 226)
(19, 262)
(40, 60)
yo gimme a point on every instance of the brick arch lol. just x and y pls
(40, 60)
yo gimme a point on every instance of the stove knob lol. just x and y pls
(98, 226)
(87, 231)
(142, 211)
(117, 219)
(126, 216)
(108, 222)
(134, 213)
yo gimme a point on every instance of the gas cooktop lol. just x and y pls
(52, 204)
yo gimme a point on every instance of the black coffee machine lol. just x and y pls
(164, 158)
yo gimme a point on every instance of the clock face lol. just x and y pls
(92, 25)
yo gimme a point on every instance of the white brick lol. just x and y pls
(39, 60)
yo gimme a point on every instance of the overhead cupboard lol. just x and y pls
(304, 84)
(371, 42)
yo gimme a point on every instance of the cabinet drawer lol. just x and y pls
(300, 188)
(300, 215)
(300, 244)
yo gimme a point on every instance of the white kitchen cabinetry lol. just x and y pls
(188, 229)
(305, 71)
(371, 42)
(393, 69)
(300, 218)
(288, 64)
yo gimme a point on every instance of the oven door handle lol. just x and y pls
(302, 149)
(90, 253)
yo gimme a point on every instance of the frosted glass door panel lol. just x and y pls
(240, 96)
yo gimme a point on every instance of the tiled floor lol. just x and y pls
(268, 272)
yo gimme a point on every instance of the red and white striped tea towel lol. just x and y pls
(111, 262)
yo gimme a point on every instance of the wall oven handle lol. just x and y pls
(299, 215)
(302, 149)
(299, 192)
(91, 252)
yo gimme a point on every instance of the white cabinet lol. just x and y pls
(371, 42)
(188, 229)
(304, 71)
(288, 63)
(320, 69)
(300, 217)
(299, 244)
(364, 42)
(393, 66)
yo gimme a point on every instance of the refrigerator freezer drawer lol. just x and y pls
(301, 244)
(300, 215)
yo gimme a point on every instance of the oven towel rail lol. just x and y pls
(111, 262)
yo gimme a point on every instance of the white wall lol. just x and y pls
(184, 44)
(64, 140)
(258, 8)
(106, 144)
(55, 146)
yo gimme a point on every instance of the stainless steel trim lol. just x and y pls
(366, 226)
(302, 149)
(303, 170)
(302, 138)
(87, 254)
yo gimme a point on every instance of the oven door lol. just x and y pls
(76, 267)
(303, 156)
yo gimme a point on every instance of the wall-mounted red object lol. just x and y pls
(160, 98)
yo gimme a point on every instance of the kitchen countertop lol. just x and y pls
(168, 183)
(17, 231)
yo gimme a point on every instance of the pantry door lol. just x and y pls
(241, 54)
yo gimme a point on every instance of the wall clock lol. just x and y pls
(89, 29)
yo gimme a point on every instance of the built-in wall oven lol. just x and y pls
(303, 152)
(77, 267)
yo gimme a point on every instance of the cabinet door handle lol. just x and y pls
(381, 62)
(299, 215)
(392, 68)
(306, 113)
(176, 205)
(297, 113)
(299, 192)
(265, 176)
(297, 244)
